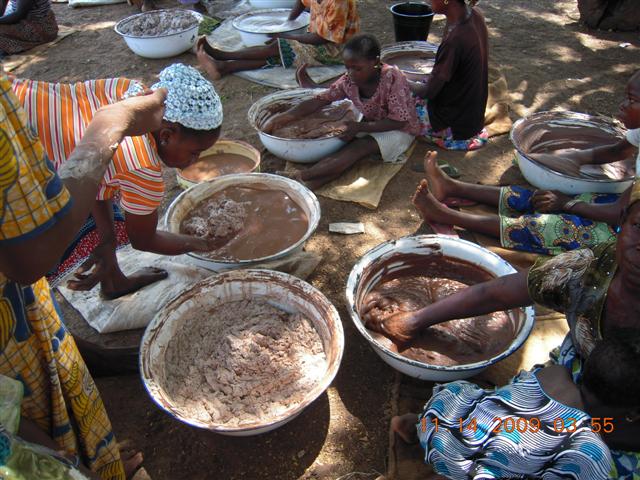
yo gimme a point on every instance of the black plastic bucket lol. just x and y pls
(411, 20)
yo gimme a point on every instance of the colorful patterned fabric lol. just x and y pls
(192, 100)
(521, 228)
(35, 347)
(83, 245)
(20, 459)
(59, 113)
(486, 448)
(576, 284)
(444, 138)
(295, 54)
(334, 20)
(38, 27)
(392, 99)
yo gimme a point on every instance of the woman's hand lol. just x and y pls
(547, 201)
(352, 129)
(400, 327)
(135, 115)
(277, 121)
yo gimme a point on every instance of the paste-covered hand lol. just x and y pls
(351, 130)
(400, 327)
(277, 121)
(136, 115)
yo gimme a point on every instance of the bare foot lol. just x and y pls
(200, 8)
(440, 184)
(303, 78)
(121, 285)
(405, 427)
(429, 206)
(132, 462)
(292, 174)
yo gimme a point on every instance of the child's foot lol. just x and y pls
(132, 461)
(429, 206)
(405, 427)
(214, 68)
(303, 78)
(440, 184)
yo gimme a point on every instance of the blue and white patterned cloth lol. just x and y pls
(475, 451)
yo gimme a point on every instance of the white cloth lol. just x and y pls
(633, 137)
(392, 144)
(136, 309)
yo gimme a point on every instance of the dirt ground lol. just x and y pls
(550, 62)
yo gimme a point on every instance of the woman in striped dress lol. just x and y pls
(59, 113)
(25, 24)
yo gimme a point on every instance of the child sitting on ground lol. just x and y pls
(549, 426)
(380, 92)
(332, 23)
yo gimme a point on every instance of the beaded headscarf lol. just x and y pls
(192, 100)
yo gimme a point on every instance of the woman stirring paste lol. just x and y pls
(599, 292)
(380, 92)
(192, 121)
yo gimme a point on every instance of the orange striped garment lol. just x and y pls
(59, 114)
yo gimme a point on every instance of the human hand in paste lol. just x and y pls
(401, 327)
(567, 162)
(549, 201)
(350, 131)
(277, 121)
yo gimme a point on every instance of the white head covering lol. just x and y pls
(192, 100)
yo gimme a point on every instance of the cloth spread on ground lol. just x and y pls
(12, 62)
(225, 37)
(136, 310)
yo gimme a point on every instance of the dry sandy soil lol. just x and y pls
(550, 62)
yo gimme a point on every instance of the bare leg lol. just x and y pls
(434, 211)
(405, 427)
(251, 53)
(443, 186)
(344, 158)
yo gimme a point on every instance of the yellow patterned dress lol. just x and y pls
(35, 347)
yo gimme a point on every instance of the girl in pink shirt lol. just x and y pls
(381, 93)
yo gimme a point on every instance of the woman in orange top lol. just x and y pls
(59, 113)
(332, 23)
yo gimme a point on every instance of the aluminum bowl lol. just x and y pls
(286, 291)
(253, 36)
(366, 274)
(221, 146)
(299, 150)
(161, 46)
(187, 200)
(544, 177)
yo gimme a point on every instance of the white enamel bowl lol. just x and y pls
(161, 46)
(187, 200)
(256, 35)
(286, 291)
(543, 177)
(299, 150)
(366, 274)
